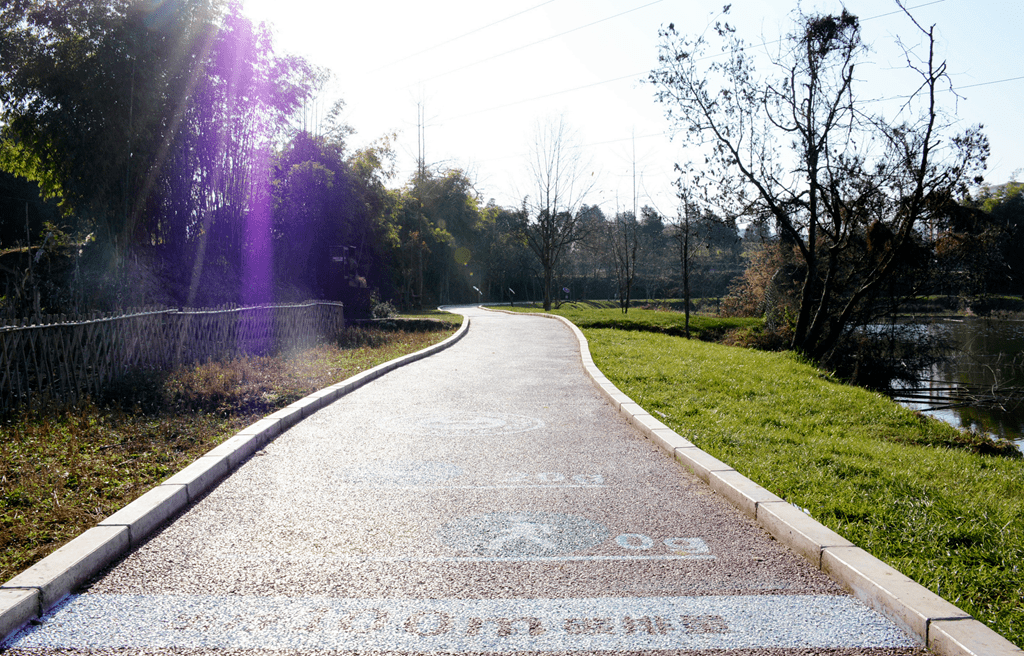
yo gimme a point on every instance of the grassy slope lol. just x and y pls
(600, 315)
(863, 465)
(63, 471)
(911, 490)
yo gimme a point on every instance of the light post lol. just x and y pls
(480, 295)
(512, 298)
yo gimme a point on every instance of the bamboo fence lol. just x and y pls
(65, 359)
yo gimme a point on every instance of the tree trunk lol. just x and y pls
(548, 276)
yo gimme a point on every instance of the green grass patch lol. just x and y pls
(907, 489)
(432, 314)
(606, 314)
(63, 471)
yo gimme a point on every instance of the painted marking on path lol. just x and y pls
(514, 537)
(520, 534)
(222, 622)
(428, 474)
(521, 487)
(327, 558)
(400, 473)
(524, 536)
(465, 423)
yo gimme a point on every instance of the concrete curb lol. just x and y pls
(939, 625)
(31, 593)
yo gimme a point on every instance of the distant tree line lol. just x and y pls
(163, 152)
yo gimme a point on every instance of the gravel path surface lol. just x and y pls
(483, 500)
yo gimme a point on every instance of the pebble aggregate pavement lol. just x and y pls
(486, 499)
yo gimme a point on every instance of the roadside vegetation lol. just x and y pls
(665, 317)
(653, 318)
(943, 506)
(804, 212)
(62, 470)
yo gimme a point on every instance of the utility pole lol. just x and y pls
(421, 147)
(635, 215)
(421, 142)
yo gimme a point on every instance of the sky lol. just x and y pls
(485, 75)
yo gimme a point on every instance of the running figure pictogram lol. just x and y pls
(522, 530)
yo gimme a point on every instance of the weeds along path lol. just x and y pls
(487, 499)
(65, 469)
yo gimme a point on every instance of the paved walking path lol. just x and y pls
(484, 499)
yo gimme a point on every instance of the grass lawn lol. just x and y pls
(64, 470)
(605, 314)
(942, 506)
(871, 470)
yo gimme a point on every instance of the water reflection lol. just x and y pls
(981, 386)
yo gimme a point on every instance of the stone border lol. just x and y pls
(31, 593)
(939, 625)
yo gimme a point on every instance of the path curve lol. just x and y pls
(486, 499)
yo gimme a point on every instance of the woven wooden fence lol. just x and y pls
(68, 358)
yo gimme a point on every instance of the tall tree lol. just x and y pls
(590, 261)
(1004, 205)
(450, 203)
(440, 227)
(686, 235)
(503, 248)
(237, 112)
(654, 267)
(849, 193)
(153, 123)
(626, 248)
(371, 227)
(88, 90)
(561, 181)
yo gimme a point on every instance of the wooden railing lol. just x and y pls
(65, 359)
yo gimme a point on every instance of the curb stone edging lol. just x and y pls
(934, 622)
(34, 591)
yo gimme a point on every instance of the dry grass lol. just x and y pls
(64, 470)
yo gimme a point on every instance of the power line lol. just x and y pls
(547, 95)
(666, 132)
(645, 72)
(613, 141)
(638, 73)
(534, 43)
(893, 13)
(780, 40)
(966, 86)
(586, 145)
(461, 36)
(985, 84)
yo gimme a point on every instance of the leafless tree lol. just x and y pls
(848, 190)
(686, 236)
(561, 179)
(625, 236)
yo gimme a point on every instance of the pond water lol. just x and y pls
(981, 386)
